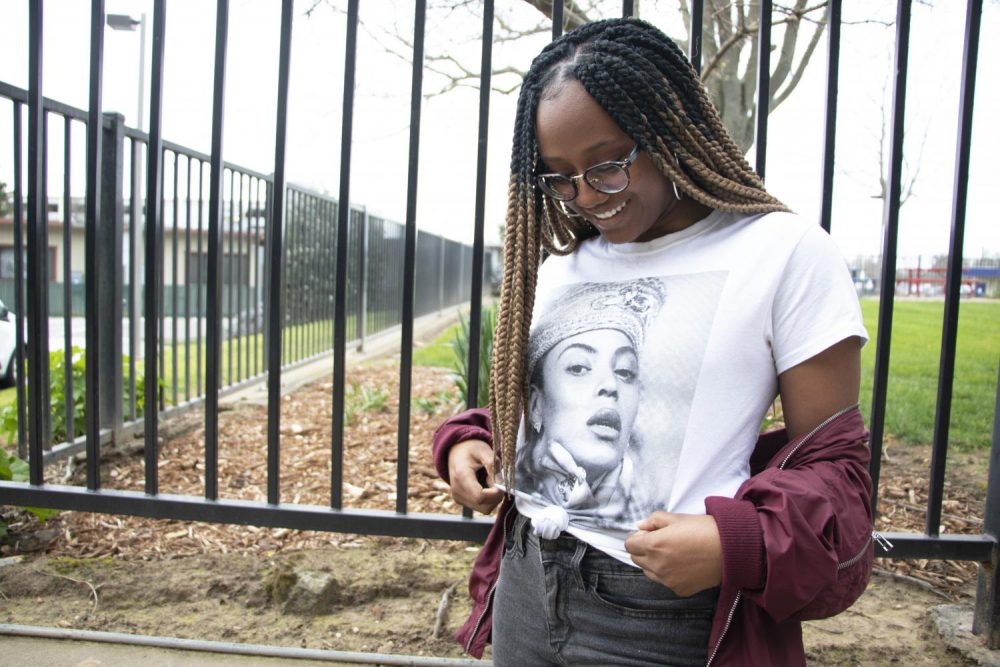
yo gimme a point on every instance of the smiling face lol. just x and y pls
(575, 133)
(589, 397)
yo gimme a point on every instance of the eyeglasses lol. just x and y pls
(608, 177)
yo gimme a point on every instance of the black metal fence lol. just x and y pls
(308, 268)
(286, 224)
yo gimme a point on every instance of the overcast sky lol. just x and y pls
(449, 125)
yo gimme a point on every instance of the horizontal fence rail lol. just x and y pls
(215, 275)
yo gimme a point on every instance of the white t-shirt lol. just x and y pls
(653, 364)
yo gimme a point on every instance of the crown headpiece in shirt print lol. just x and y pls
(627, 306)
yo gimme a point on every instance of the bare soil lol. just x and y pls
(388, 595)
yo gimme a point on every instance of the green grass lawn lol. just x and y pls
(913, 370)
(439, 352)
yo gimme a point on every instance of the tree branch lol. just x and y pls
(801, 68)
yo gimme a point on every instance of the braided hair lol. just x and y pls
(645, 83)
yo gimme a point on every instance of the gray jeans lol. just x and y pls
(562, 602)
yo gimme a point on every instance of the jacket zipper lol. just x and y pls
(479, 621)
(725, 628)
(784, 462)
(813, 432)
(489, 594)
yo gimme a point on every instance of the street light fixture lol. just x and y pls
(122, 22)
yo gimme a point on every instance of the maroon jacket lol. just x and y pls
(804, 514)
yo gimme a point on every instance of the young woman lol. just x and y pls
(623, 173)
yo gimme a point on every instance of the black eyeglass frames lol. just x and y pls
(608, 177)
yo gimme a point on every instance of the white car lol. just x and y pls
(8, 340)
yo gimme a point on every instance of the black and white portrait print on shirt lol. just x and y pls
(611, 383)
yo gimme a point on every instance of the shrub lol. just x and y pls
(57, 397)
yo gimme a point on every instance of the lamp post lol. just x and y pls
(127, 23)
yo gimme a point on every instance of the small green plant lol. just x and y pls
(426, 405)
(364, 398)
(431, 405)
(460, 346)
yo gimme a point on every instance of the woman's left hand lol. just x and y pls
(681, 551)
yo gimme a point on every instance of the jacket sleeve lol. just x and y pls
(469, 425)
(797, 540)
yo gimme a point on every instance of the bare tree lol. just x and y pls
(910, 168)
(729, 48)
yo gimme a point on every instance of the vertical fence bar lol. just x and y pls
(215, 223)
(292, 259)
(340, 300)
(187, 282)
(276, 205)
(890, 232)
(697, 26)
(986, 618)
(109, 274)
(133, 277)
(19, 300)
(239, 283)
(37, 243)
(92, 253)
(67, 266)
(409, 260)
(236, 275)
(199, 304)
(46, 274)
(628, 8)
(953, 283)
(161, 285)
(359, 327)
(287, 269)
(442, 243)
(175, 220)
(557, 18)
(830, 135)
(476, 297)
(763, 86)
(258, 316)
(292, 280)
(227, 268)
(154, 239)
(312, 275)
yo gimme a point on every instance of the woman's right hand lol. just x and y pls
(470, 464)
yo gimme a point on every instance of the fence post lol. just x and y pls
(441, 270)
(986, 620)
(268, 217)
(109, 274)
(362, 323)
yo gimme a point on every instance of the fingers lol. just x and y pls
(470, 469)
(467, 491)
(657, 520)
